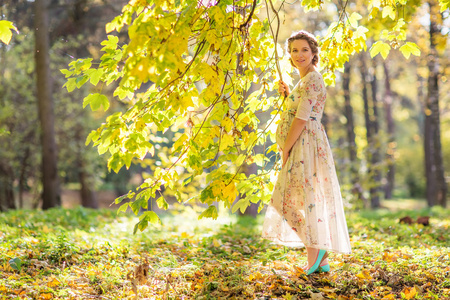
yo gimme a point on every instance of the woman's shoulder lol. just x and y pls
(313, 78)
(313, 75)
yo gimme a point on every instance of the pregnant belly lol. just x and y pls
(283, 128)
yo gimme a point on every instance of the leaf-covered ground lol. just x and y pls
(86, 254)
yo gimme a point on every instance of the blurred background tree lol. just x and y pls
(387, 119)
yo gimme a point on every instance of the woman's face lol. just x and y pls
(301, 53)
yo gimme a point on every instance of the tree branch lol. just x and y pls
(249, 17)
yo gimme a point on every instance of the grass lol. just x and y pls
(87, 254)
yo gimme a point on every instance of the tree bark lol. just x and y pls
(348, 112)
(371, 121)
(376, 141)
(6, 187)
(350, 128)
(390, 158)
(51, 191)
(87, 193)
(436, 190)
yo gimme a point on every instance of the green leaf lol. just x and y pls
(123, 207)
(5, 31)
(93, 136)
(147, 217)
(211, 212)
(15, 263)
(94, 75)
(242, 205)
(70, 84)
(96, 100)
(120, 199)
(115, 163)
(66, 72)
(162, 203)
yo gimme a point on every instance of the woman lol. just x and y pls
(306, 207)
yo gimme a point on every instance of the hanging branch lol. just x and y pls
(275, 36)
(249, 17)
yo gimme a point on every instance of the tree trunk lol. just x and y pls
(390, 175)
(87, 193)
(88, 196)
(370, 117)
(376, 141)
(6, 187)
(348, 112)
(51, 192)
(350, 128)
(436, 190)
(22, 175)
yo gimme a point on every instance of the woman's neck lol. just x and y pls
(305, 70)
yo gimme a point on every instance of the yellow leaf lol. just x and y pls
(5, 31)
(53, 283)
(45, 296)
(227, 141)
(230, 192)
(227, 124)
(389, 297)
(390, 257)
(409, 293)
(364, 275)
(388, 11)
(217, 243)
(217, 187)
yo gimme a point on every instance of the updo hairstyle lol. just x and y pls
(304, 35)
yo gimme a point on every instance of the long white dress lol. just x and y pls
(306, 207)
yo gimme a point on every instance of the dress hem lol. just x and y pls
(295, 244)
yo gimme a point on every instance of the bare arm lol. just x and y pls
(294, 133)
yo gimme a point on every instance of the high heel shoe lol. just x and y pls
(319, 258)
(324, 268)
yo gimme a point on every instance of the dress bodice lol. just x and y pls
(307, 99)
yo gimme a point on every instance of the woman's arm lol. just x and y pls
(294, 132)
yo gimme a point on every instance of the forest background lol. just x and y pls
(381, 112)
(108, 71)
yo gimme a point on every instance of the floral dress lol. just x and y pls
(306, 207)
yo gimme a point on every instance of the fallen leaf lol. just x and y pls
(317, 296)
(217, 243)
(409, 293)
(45, 296)
(53, 283)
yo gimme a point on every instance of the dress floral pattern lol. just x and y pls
(306, 207)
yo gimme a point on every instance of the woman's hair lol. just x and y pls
(304, 35)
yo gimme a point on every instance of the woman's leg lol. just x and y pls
(312, 256)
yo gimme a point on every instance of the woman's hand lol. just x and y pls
(283, 88)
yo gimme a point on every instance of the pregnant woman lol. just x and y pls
(306, 206)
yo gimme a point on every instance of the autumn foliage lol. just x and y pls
(83, 254)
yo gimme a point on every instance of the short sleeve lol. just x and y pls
(308, 93)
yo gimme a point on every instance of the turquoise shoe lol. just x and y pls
(319, 258)
(324, 268)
